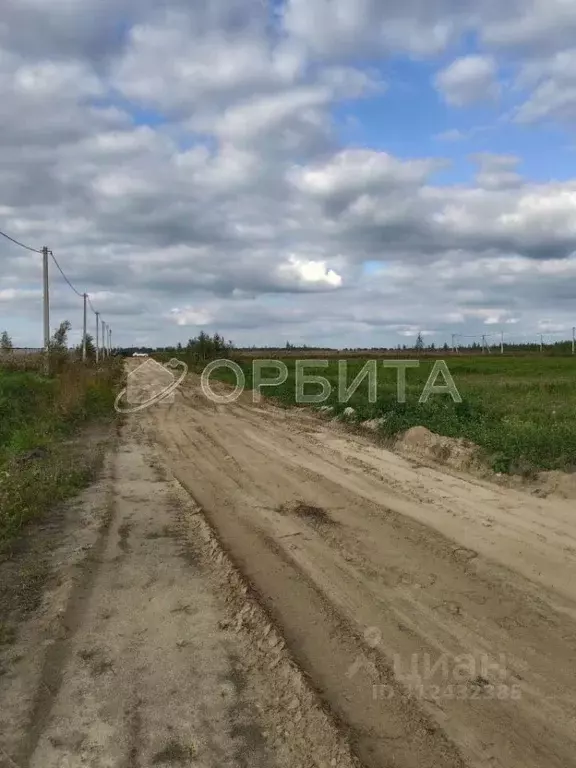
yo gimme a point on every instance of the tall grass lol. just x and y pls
(13, 361)
(39, 417)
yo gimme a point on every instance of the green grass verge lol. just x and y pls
(42, 459)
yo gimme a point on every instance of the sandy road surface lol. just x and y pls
(457, 599)
(144, 649)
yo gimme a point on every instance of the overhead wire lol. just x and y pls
(55, 260)
(77, 292)
(64, 276)
(22, 245)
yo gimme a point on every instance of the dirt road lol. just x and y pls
(435, 615)
(367, 607)
(127, 641)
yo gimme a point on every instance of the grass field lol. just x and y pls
(520, 411)
(39, 416)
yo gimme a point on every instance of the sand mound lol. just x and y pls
(454, 452)
(561, 484)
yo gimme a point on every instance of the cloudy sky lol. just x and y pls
(342, 172)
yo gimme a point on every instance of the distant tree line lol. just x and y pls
(205, 347)
(200, 348)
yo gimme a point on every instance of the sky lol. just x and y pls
(343, 173)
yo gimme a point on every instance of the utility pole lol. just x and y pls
(541, 343)
(97, 336)
(103, 339)
(84, 333)
(574, 340)
(502, 342)
(110, 339)
(483, 344)
(46, 311)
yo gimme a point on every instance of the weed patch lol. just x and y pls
(40, 464)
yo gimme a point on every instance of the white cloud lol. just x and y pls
(239, 203)
(554, 94)
(177, 67)
(453, 134)
(353, 172)
(247, 121)
(497, 171)
(191, 316)
(17, 294)
(540, 25)
(468, 80)
(309, 273)
(333, 28)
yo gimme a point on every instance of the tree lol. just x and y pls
(205, 347)
(60, 337)
(90, 348)
(6, 342)
(419, 343)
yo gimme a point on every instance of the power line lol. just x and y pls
(64, 276)
(28, 248)
(81, 295)
(106, 330)
(508, 338)
(86, 298)
(475, 335)
(91, 305)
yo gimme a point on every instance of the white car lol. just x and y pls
(140, 354)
